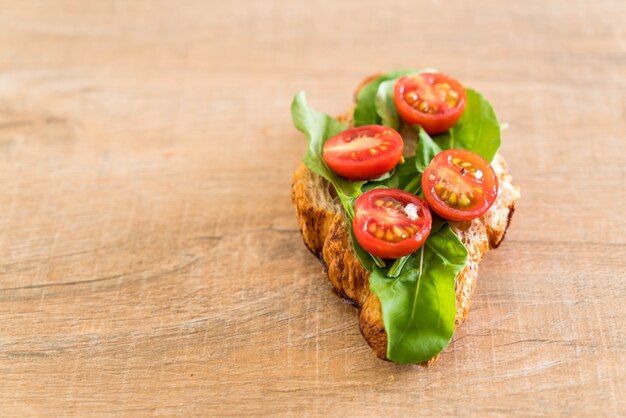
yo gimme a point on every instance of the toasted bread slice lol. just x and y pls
(323, 225)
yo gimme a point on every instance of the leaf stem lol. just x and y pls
(396, 267)
(379, 261)
(414, 186)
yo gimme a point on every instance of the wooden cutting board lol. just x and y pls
(150, 261)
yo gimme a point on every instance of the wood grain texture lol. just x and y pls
(150, 261)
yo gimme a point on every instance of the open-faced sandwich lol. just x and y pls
(400, 198)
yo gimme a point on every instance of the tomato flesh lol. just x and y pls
(459, 185)
(391, 223)
(431, 100)
(363, 153)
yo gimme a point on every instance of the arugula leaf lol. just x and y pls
(365, 110)
(384, 177)
(438, 223)
(367, 260)
(385, 106)
(419, 306)
(397, 266)
(318, 128)
(426, 150)
(478, 129)
(399, 178)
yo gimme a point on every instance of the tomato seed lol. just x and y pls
(373, 151)
(371, 227)
(379, 202)
(465, 201)
(452, 200)
(465, 166)
(380, 234)
(411, 97)
(399, 233)
(389, 236)
(383, 148)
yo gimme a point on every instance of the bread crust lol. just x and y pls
(325, 232)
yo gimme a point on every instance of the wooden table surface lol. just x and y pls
(150, 261)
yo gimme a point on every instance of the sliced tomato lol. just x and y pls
(459, 185)
(391, 223)
(432, 100)
(363, 153)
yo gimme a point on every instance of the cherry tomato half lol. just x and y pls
(363, 153)
(459, 185)
(432, 100)
(391, 223)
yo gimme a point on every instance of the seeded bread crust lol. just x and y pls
(323, 226)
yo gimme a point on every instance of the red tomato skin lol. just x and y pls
(489, 184)
(371, 166)
(432, 123)
(379, 247)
